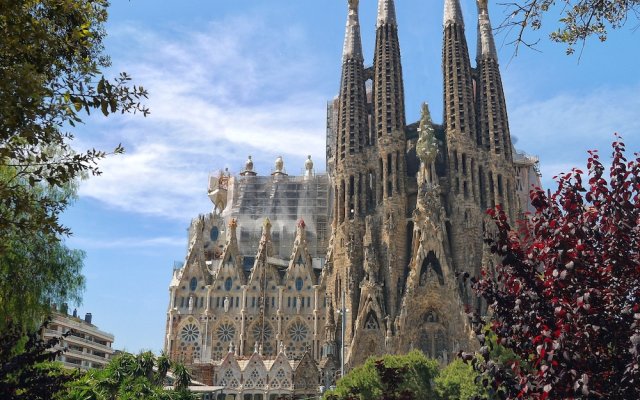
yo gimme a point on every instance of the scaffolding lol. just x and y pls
(284, 200)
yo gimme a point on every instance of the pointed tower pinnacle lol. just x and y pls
(352, 41)
(486, 44)
(353, 127)
(388, 88)
(386, 12)
(390, 123)
(453, 13)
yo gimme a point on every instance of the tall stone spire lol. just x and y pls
(486, 44)
(463, 156)
(453, 13)
(389, 127)
(388, 88)
(493, 123)
(353, 152)
(386, 12)
(458, 84)
(352, 41)
(352, 122)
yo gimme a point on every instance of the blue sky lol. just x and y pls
(232, 78)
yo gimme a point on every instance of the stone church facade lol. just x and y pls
(365, 259)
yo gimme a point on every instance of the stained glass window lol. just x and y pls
(190, 333)
(226, 332)
(298, 331)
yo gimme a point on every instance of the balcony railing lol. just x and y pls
(89, 343)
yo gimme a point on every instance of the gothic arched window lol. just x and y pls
(431, 265)
(193, 284)
(371, 322)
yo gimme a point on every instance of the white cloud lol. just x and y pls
(240, 87)
(563, 128)
(127, 243)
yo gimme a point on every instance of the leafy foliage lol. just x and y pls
(406, 376)
(128, 377)
(36, 270)
(566, 298)
(51, 57)
(26, 368)
(579, 19)
(458, 381)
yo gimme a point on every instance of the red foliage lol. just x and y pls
(566, 298)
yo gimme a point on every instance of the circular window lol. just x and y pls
(298, 332)
(299, 284)
(228, 283)
(190, 333)
(193, 284)
(226, 332)
(262, 334)
(215, 232)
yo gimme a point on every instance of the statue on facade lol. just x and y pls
(225, 304)
(427, 146)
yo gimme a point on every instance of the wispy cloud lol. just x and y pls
(239, 87)
(562, 128)
(127, 243)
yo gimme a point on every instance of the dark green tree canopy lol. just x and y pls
(51, 75)
(411, 376)
(51, 63)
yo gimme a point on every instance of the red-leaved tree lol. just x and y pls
(566, 297)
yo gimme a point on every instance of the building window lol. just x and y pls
(190, 333)
(193, 284)
(228, 283)
(299, 284)
(214, 233)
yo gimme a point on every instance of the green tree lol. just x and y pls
(51, 63)
(578, 19)
(127, 377)
(36, 271)
(182, 377)
(163, 366)
(26, 367)
(458, 381)
(406, 376)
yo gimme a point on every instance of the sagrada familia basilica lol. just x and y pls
(292, 278)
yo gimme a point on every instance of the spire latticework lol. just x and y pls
(453, 13)
(493, 123)
(386, 12)
(352, 40)
(389, 127)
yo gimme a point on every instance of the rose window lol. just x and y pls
(298, 331)
(226, 332)
(260, 334)
(190, 333)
